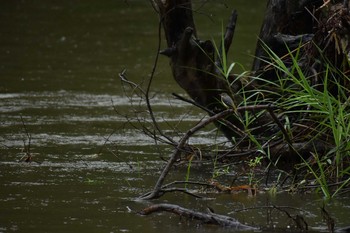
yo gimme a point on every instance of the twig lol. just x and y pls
(187, 182)
(226, 122)
(124, 79)
(239, 109)
(266, 207)
(26, 147)
(165, 188)
(325, 3)
(146, 92)
(280, 126)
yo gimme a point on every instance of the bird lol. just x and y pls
(227, 101)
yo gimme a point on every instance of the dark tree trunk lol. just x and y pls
(194, 64)
(285, 22)
(191, 60)
(289, 24)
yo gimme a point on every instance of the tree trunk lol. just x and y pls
(285, 17)
(195, 65)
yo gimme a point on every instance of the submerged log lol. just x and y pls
(207, 218)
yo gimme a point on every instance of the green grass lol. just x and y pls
(327, 114)
(312, 106)
(319, 103)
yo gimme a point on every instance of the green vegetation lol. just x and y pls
(323, 107)
(289, 117)
(312, 117)
(319, 107)
(306, 115)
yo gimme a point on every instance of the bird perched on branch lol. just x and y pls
(227, 101)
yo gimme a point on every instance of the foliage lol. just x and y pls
(320, 113)
(312, 109)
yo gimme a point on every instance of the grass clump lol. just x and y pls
(315, 112)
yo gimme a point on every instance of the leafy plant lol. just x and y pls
(253, 164)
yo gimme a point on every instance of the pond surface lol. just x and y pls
(59, 86)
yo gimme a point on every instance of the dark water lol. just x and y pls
(59, 65)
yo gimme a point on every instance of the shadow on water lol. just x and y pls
(59, 62)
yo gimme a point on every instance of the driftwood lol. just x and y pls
(207, 218)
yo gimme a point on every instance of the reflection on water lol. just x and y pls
(75, 118)
(59, 64)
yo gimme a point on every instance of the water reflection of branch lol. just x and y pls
(328, 219)
(112, 152)
(266, 207)
(299, 221)
(26, 147)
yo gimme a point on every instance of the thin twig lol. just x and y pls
(26, 147)
(279, 124)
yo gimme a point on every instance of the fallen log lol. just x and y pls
(206, 218)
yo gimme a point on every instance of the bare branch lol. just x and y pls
(208, 218)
